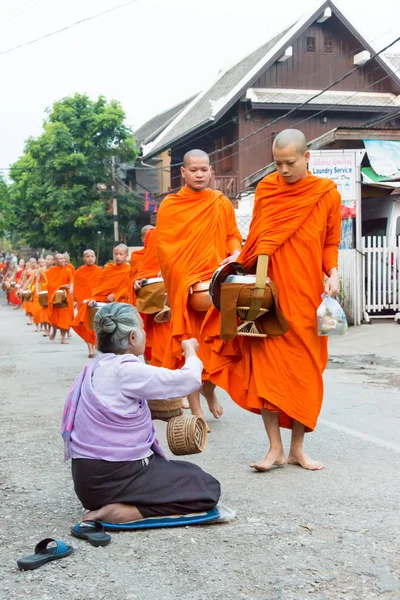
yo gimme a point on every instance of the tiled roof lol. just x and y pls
(204, 108)
(213, 102)
(154, 126)
(344, 98)
(394, 60)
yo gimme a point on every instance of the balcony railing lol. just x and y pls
(227, 184)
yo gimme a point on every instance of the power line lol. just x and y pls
(85, 20)
(6, 19)
(296, 108)
(325, 109)
(311, 75)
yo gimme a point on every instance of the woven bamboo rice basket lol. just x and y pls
(165, 409)
(187, 435)
(43, 298)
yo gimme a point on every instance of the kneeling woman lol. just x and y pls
(119, 471)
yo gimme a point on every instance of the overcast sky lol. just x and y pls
(148, 55)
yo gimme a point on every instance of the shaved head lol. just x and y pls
(196, 170)
(88, 250)
(123, 247)
(59, 260)
(195, 154)
(145, 230)
(291, 155)
(291, 137)
(89, 257)
(120, 254)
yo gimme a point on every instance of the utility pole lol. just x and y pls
(114, 201)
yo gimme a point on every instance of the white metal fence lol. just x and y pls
(381, 277)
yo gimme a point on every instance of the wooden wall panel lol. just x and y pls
(316, 70)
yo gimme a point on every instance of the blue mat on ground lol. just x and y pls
(219, 514)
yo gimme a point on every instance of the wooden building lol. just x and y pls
(281, 84)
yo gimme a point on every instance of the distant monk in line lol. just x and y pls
(42, 285)
(113, 285)
(86, 279)
(297, 223)
(59, 277)
(196, 233)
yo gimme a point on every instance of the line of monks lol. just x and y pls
(296, 222)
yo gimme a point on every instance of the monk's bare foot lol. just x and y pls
(208, 391)
(185, 403)
(64, 342)
(274, 458)
(114, 513)
(305, 461)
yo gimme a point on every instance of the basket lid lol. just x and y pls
(151, 280)
(219, 277)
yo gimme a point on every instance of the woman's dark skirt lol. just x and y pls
(157, 487)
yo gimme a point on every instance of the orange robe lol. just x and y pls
(114, 279)
(86, 278)
(36, 308)
(298, 226)
(156, 333)
(136, 257)
(57, 277)
(195, 231)
(13, 296)
(43, 287)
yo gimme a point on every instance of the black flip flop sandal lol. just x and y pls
(43, 554)
(91, 531)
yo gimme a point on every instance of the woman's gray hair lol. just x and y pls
(113, 324)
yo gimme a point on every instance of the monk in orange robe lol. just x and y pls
(36, 309)
(135, 259)
(26, 284)
(43, 287)
(14, 298)
(59, 277)
(297, 223)
(149, 267)
(196, 232)
(114, 283)
(86, 279)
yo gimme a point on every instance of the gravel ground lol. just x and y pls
(297, 535)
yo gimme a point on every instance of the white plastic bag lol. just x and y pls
(331, 318)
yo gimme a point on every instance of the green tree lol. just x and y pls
(5, 209)
(62, 188)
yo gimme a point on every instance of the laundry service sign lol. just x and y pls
(338, 166)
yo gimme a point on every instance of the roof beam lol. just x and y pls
(325, 15)
(287, 54)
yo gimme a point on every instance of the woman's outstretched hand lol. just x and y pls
(190, 347)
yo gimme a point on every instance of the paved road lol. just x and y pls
(321, 536)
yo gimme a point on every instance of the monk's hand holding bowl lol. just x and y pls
(137, 285)
(332, 284)
(91, 303)
(190, 347)
(110, 298)
(231, 258)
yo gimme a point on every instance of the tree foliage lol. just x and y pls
(62, 186)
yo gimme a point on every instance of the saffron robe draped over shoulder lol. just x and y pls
(195, 231)
(86, 279)
(298, 226)
(57, 277)
(135, 259)
(157, 334)
(113, 279)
